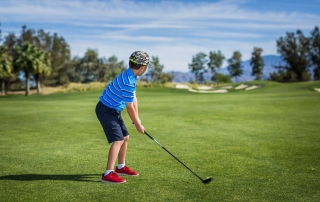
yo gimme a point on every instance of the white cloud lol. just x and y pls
(119, 10)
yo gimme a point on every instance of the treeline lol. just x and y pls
(301, 55)
(37, 55)
(46, 60)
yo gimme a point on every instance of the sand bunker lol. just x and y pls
(182, 86)
(204, 88)
(208, 91)
(220, 91)
(317, 89)
(223, 89)
(252, 87)
(242, 86)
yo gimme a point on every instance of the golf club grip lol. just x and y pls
(145, 132)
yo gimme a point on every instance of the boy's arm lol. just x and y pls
(132, 109)
(135, 104)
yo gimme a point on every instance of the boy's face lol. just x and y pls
(142, 70)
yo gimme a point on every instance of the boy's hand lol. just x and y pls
(134, 124)
(140, 128)
(134, 117)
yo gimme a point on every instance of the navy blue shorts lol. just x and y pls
(111, 122)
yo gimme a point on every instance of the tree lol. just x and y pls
(215, 63)
(235, 67)
(91, 68)
(60, 57)
(10, 42)
(27, 36)
(223, 78)
(294, 50)
(155, 72)
(282, 75)
(112, 67)
(43, 40)
(198, 66)
(30, 59)
(165, 77)
(5, 67)
(257, 63)
(90, 65)
(315, 52)
(155, 69)
(73, 70)
(41, 67)
(6, 70)
(58, 49)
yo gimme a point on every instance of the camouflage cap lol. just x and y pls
(140, 58)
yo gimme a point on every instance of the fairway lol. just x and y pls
(258, 145)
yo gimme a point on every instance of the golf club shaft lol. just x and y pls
(145, 132)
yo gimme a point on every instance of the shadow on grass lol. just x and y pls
(34, 177)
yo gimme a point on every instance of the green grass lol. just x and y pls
(259, 145)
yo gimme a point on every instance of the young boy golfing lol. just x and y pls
(120, 94)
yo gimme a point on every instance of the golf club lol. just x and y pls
(206, 181)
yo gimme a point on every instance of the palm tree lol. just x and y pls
(32, 60)
(5, 67)
(41, 67)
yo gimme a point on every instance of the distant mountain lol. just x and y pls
(269, 62)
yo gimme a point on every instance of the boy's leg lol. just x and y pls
(110, 176)
(109, 119)
(113, 154)
(125, 170)
(123, 151)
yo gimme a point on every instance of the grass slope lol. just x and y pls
(259, 145)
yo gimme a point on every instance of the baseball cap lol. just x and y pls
(140, 58)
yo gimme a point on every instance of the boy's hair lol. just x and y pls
(134, 65)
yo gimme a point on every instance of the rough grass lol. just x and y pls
(259, 145)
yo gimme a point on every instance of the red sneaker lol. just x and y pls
(112, 178)
(126, 171)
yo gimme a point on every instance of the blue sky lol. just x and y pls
(172, 30)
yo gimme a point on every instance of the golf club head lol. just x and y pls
(208, 180)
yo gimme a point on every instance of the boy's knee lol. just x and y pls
(120, 142)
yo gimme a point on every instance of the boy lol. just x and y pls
(120, 94)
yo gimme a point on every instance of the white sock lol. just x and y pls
(107, 172)
(120, 166)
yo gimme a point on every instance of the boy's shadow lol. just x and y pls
(34, 177)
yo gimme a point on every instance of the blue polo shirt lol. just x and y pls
(120, 91)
